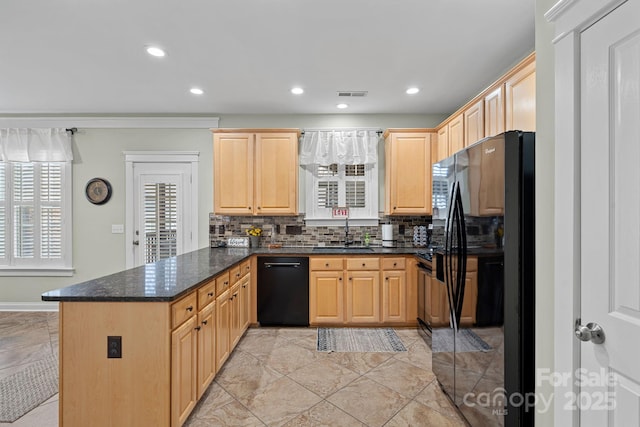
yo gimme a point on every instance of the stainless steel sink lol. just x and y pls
(341, 249)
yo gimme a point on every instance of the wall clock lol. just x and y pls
(98, 191)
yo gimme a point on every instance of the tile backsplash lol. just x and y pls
(292, 231)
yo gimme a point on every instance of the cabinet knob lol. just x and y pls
(226, 282)
(244, 286)
(249, 208)
(340, 279)
(258, 207)
(210, 294)
(350, 278)
(386, 278)
(197, 328)
(326, 265)
(231, 298)
(363, 264)
(237, 274)
(190, 308)
(394, 264)
(394, 208)
(204, 322)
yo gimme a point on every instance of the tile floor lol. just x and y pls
(275, 377)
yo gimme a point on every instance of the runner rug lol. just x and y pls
(359, 340)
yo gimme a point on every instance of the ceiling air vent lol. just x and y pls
(353, 93)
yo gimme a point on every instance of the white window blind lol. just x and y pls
(35, 226)
(335, 185)
(160, 221)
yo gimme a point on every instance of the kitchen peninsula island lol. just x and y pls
(139, 347)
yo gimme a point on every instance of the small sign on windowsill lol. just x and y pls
(339, 212)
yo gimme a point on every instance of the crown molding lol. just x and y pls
(114, 122)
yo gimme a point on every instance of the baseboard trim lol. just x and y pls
(29, 306)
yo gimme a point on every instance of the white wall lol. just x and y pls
(545, 146)
(99, 153)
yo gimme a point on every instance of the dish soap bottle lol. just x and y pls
(366, 239)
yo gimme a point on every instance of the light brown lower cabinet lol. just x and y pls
(326, 297)
(235, 313)
(206, 347)
(245, 302)
(223, 328)
(184, 367)
(394, 296)
(363, 297)
(361, 290)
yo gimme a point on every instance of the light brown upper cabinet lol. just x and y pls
(494, 112)
(255, 171)
(474, 123)
(520, 102)
(456, 134)
(408, 171)
(441, 147)
(508, 104)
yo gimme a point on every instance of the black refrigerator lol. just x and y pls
(483, 228)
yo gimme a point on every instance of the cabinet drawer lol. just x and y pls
(234, 273)
(326, 264)
(222, 283)
(206, 294)
(393, 263)
(183, 309)
(363, 263)
(245, 268)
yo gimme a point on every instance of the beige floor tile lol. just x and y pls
(418, 354)
(368, 401)
(357, 362)
(323, 377)
(416, 414)
(433, 397)
(294, 334)
(287, 358)
(324, 414)
(231, 414)
(402, 377)
(42, 416)
(242, 374)
(214, 397)
(279, 401)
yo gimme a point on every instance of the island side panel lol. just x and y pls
(130, 391)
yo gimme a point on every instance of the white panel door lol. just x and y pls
(610, 218)
(161, 200)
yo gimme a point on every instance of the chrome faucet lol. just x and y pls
(347, 242)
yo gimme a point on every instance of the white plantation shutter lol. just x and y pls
(160, 221)
(353, 186)
(34, 198)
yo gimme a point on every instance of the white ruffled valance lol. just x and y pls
(345, 147)
(35, 145)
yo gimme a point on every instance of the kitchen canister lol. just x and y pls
(387, 236)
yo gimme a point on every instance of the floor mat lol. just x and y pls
(28, 388)
(359, 340)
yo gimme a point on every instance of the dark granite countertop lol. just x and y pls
(171, 278)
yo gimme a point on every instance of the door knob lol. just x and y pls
(136, 242)
(591, 332)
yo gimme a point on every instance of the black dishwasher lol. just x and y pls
(283, 291)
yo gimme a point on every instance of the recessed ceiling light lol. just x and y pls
(196, 91)
(297, 91)
(342, 106)
(155, 51)
(413, 90)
